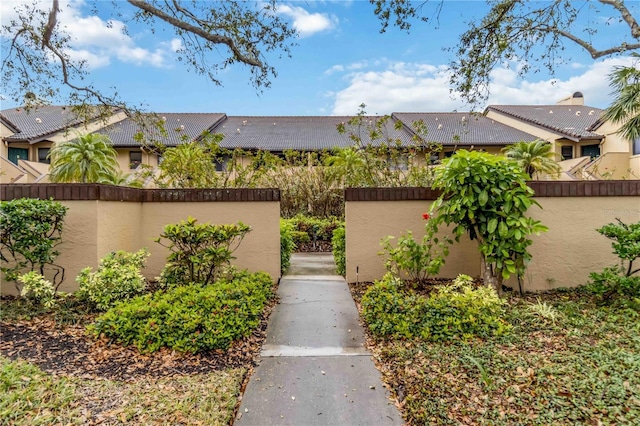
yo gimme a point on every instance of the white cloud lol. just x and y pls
(424, 87)
(307, 23)
(95, 41)
(334, 69)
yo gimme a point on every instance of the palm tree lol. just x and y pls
(534, 157)
(625, 108)
(88, 158)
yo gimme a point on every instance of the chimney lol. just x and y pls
(576, 99)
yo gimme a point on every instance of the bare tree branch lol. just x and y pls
(51, 23)
(213, 38)
(626, 16)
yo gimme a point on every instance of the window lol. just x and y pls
(221, 163)
(592, 151)
(635, 149)
(43, 153)
(567, 152)
(135, 159)
(448, 154)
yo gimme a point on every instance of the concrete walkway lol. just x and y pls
(315, 369)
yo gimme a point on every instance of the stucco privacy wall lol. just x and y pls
(372, 214)
(562, 257)
(104, 218)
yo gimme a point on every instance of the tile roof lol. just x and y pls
(304, 133)
(463, 128)
(35, 124)
(575, 122)
(180, 127)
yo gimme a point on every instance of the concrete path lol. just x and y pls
(315, 369)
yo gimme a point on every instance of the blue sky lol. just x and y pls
(340, 62)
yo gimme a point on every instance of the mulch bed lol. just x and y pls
(68, 350)
(314, 247)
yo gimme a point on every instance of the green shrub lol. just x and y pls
(118, 277)
(37, 289)
(339, 248)
(189, 318)
(30, 230)
(619, 282)
(199, 251)
(388, 311)
(287, 244)
(418, 260)
(313, 229)
(454, 311)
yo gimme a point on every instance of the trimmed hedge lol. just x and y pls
(191, 318)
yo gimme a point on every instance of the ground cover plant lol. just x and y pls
(33, 397)
(566, 360)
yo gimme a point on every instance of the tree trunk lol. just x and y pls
(490, 278)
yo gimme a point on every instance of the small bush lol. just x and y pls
(620, 283)
(199, 252)
(189, 318)
(118, 277)
(37, 289)
(418, 260)
(388, 310)
(612, 283)
(339, 249)
(287, 244)
(454, 311)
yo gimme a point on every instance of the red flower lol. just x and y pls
(425, 216)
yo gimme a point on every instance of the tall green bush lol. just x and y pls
(30, 231)
(486, 197)
(199, 251)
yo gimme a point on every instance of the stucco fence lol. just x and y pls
(103, 218)
(562, 257)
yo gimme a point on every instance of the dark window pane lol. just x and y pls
(636, 147)
(43, 153)
(567, 152)
(135, 159)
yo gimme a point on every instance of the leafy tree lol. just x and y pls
(534, 157)
(625, 109)
(37, 63)
(486, 196)
(533, 33)
(88, 158)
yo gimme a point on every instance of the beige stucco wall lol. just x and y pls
(94, 228)
(79, 241)
(259, 251)
(368, 222)
(634, 167)
(612, 165)
(562, 257)
(571, 249)
(9, 172)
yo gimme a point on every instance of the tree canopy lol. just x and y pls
(532, 33)
(37, 63)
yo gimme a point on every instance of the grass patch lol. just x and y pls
(32, 397)
(567, 361)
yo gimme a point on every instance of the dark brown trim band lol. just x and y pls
(92, 191)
